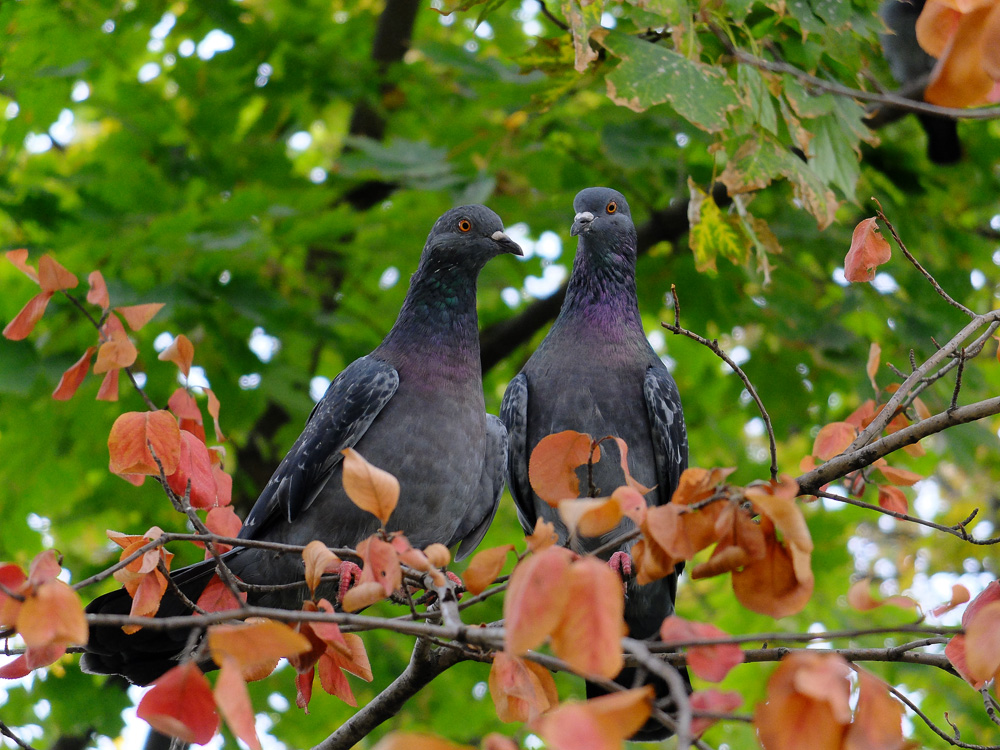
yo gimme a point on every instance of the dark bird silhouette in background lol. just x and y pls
(595, 372)
(414, 407)
(909, 63)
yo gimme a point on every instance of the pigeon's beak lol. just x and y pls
(581, 223)
(506, 244)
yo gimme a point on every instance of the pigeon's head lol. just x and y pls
(468, 236)
(601, 212)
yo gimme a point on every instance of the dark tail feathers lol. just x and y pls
(147, 654)
(652, 730)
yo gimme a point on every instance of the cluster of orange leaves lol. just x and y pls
(836, 437)
(45, 611)
(770, 575)
(964, 36)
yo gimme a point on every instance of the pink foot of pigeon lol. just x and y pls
(621, 563)
(457, 581)
(350, 573)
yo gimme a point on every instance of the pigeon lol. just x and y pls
(595, 372)
(414, 407)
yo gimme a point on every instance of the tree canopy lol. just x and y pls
(269, 171)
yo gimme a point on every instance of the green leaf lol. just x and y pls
(650, 74)
(757, 95)
(584, 20)
(712, 233)
(834, 154)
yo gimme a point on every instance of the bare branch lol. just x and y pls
(9, 734)
(935, 728)
(678, 691)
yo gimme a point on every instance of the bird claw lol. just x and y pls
(621, 563)
(350, 573)
(459, 583)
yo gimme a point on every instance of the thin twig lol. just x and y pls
(714, 346)
(678, 691)
(548, 14)
(935, 728)
(8, 732)
(958, 380)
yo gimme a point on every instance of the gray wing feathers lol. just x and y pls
(484, 508)
(666, 422)
(514, 414)
(338, 421)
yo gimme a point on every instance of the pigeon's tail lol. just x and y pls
(145, 655)
(943, 144)
(652, 730)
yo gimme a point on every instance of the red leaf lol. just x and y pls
(959, 595)
(710, 663)
(982, 643)
(180, 352)
(13, 578)
(52, 615)
(193, 465)
(223, 485)
(304, 689)
(129, 435)
(213, 411)
(878, 720)
(874, 359)
(180, 704)
(233, 700)
(109, 389)
(44, 568)
(138, 315)
(833, 439)
(98, 294)
(72, 378)
(553, 463)
(224, 522)
(19, 258)
(334, 681)
(217, 597)
(183, 405)
(892, 498)
(251, 644)
(898, 476)
(521, 689)
(599, 724)
(115, 354)
(711, 700)
(869, 250)
(30, 314)
(381, 564)
(536, 598)
(52, 277)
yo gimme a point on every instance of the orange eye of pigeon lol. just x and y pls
(612, 207)
(464, 225)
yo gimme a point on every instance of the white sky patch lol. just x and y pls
(818, 627)
(37, 143)
(214, 42)
(162, 341)
(549, 246)
(834, 505)
(995, 223)
(533, 742)
(927, 503)
(264, 345)
(148, 72)
(977, 278)
(140, 379)
(63, 131)
(197, 378)
(480, 690)
(317, 175)
(608, 21)
(12, 108)
(249, 382)
(389, 278)
(884, 283)
(754, 428)
(682, 139)
(511, 297)
(546, 286)
(484, 31)
(163, 27)
(300, 141)
(317, 387)
(186, 48)
(81, 91)
(520, 234)
(657, 340)
(839, 278)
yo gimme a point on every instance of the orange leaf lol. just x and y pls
(223, 486)
(860, 597)
(590, 518)
(44, 568)
(381, 564)
(109, 388)
(899, 476)
(98, 292)
(20, 260)
(180, 352)
(878, 720)
(599, 724)
(651, 562)
(869, 250)
(180, 704)
(130, 433)
(254, 643)
(588, 637)
(630, 481)
(807, 696)
(437, 554)
(52, 615)
(183, 405)
(72, 378)
(369, 487)
(987, 596)
(115, 354)
(771, 585)
(892, 498)
(936, 26)
(52, 277)
(553, 463)
(138, 315)
(711, 700)
(217, 597)
(991, 45)
(862, 416)
(521, 689)
(959, 595)
(536, 597)
(13, 578)
(363, 595)
(543, 536)
(485, 567)
(318, 560)
(24, 322)
(213, 412)
(194, 465)
(710, 663)
(632, 503)
(833, 439)
(697, 484)
(982, 642)
(224, 522)
(233, 700)
(874, 359)
(494, 741)
(334, 681)
(959, 78)
(415, 741)
(146, 599)
(356, 662)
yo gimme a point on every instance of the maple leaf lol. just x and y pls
(869, 249)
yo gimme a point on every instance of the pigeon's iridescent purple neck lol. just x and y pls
(436, 336)
(601, 294)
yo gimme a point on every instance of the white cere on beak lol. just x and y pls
(498, 236)
(584, 216)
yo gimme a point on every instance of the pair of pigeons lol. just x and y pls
(415, 407)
